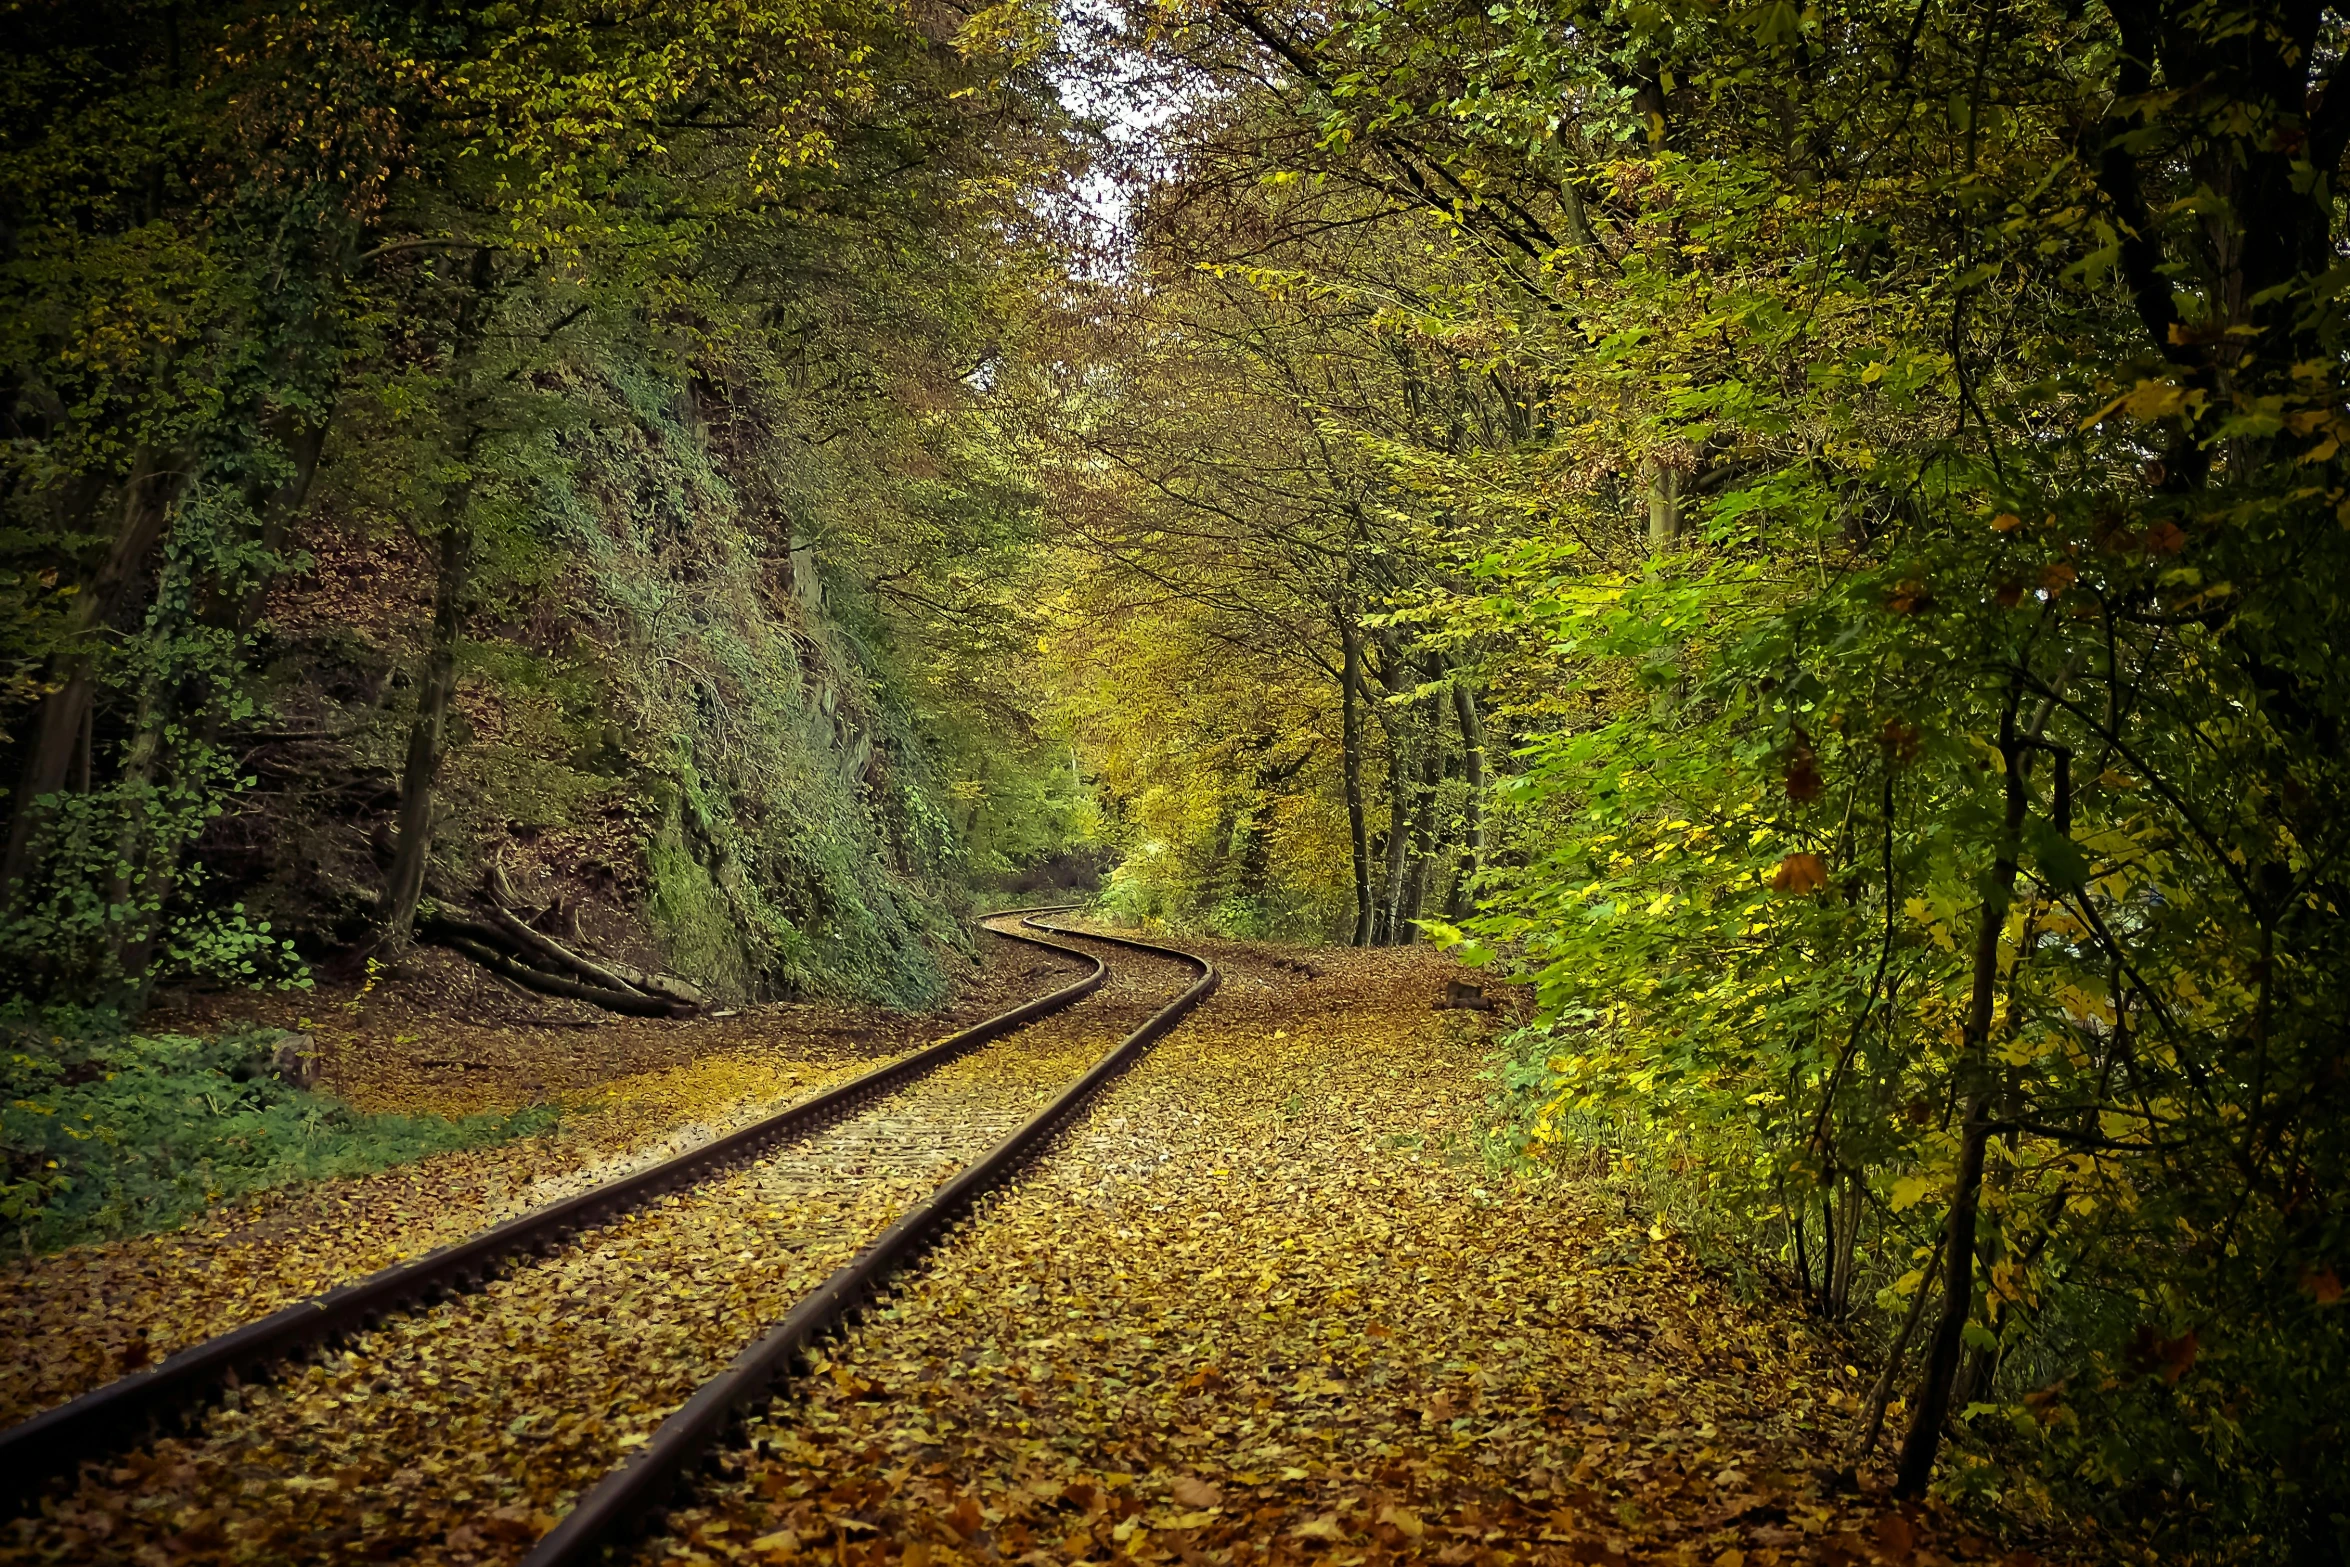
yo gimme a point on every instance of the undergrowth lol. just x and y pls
(109, 1133)
(1662, 1174)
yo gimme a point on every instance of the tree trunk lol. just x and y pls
(1850, 1211)
(1427, 783)
(304, 445)
(1943, 1351)
(1350, 685)
(1472, 726)
(1423, 846)
(412, 851)
(1974, 1377)
(1401, 796)
(1882, 1394)
(412, 854)
(138, 874)
(1800, 1221)
(66, 716)
(1399, 841)
(1662, 481)
(1828, 1233)
(1924, 1441)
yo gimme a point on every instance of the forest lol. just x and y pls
(1811, 539)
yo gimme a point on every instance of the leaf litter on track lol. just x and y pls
(1265, 1304)
(459, 1432)
(75, 1319)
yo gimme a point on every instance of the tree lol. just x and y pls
(1907, 566)
(431, 262)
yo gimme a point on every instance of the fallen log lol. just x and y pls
(683, 992)
(508, 910)
(555, 952)
(1465, 997)
(438, 920)
(633, 1003)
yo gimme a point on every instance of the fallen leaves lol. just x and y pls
(1192, 1492)
(1403, 1521)
(1267, 1303)
(645, 1090)
(1325, 1527)
(463, 1430)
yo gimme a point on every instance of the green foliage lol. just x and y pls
(1912, 584)
(109, 898)
(1222, 787)
(109, 1133)
(655, 344)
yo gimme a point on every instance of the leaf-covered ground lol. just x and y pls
(459, 1432)
(637, 1089)
(1265, 1305)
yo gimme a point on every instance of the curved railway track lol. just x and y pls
(578, 1351)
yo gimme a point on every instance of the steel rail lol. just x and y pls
(122, 1412)
(613, 1506)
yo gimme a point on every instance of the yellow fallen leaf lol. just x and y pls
(1405, 1521)
(1326, 1527)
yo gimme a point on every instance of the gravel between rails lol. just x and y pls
(460, 1432)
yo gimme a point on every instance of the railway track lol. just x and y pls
(558, 1374)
